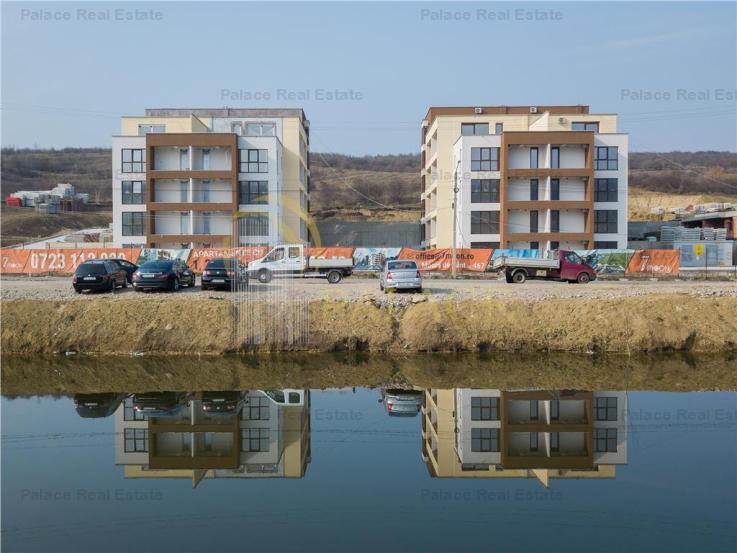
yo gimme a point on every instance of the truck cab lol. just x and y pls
(573, 268)
(286, 259)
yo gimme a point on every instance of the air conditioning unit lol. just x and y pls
(478, 111)
(533, 109)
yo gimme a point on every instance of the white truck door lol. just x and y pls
(295, 258)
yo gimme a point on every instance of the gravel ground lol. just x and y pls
(357, 289)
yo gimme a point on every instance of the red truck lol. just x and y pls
(563, 265)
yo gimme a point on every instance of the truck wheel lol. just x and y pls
(334, 277)
(519, 277)
(264, 276)
(508, 277)
(583, 278)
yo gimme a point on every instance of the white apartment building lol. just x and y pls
(211, 178)
(527, 177)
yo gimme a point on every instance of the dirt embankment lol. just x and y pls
(210, 326)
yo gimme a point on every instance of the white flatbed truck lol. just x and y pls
(290, 261)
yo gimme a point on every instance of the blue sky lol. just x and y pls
(65, 82)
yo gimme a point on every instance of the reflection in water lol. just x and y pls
(467, 433)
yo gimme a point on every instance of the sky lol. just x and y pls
(365, 73)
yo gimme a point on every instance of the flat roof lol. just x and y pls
(435, 111)
(227, 112)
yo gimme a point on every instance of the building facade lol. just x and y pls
(211, 178)
(527, 177)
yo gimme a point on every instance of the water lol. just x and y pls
(337, 472)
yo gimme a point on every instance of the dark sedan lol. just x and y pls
(93, 406)
(160, 404)
(227, 273)
(101, 275)
(127, 266)
(222, 403)
(163, 274)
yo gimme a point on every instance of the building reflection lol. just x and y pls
(259, 434)
(486, 433)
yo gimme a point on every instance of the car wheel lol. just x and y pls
(111, 288)
(583, 278)
(334, 277)
(419, 290)
(175, 285)
(78, 290)
(264, 276)
(125, 283)
(519, 277)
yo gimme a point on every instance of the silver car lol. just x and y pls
(400, 274)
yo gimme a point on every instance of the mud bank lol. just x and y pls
(179, 325)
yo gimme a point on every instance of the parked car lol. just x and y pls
(163, 274)
(401, 403)
(400, 274)
(99, 274)
(92, 406)
(228, 273)
(127, 266)
(222, 403)
(160, 404)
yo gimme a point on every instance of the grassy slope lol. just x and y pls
(23, 224)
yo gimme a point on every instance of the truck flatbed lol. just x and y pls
(504, 261)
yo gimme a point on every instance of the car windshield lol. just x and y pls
(222, 263)
(91, 269)
(159, 265)
(402, 265)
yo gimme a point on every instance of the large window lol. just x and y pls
(606, 440)
(133, 192)
(554, 441)
(484, 159)
(605, 190)
(499, 128)
(256, 224)
(259, 129)
(606, 158)
(133, 160)
(484, 191)
(555, 157)
(533, 441)
(485, 245)
(134, 223)
(130, 414)
(485, 439)
(534, 158)
(484, 222)
(605, 220)
(605, 245)
(135, 440)
(254, 192)
(533, 221)
(534, 189)
(471, 129)
(605, 408)
(257, 408)
(585, 126)
(533, 410)
(484, 408)
(254, 161)
(554, 220)
(555, 189)
(255, 439)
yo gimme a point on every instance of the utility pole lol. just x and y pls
(455, 215)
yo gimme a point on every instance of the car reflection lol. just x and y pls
(92, 406)
(160, 404)
(401, 403)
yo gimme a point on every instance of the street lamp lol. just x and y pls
(455, 215)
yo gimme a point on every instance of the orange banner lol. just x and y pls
(661, 262)
(60, 261)
(470, 260)
(330, 253)
(199, 257)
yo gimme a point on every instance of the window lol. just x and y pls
(485, 245)
(534, 189)
(254, 161)
(293, 252)
(533, 441)
(257, 408)
(203, 223)
(555, 189)
(554, 409)
(484, 159)
(133, 192)
(130, 414)
(484, 408)
(255, 439)
(135, 440)
(534, 157)
(606, 158)
(133, 160)
(605, 220)
(605, 245)
(183, 159)
(202, 193)
(184, 222)
(237, 128)
(471, 129)
(533, 410)
(143, 130)
(605, 408)
(485, 439)
(183, 190)
(606, 440)
(605, 190)
(534, 245)
(554, 441)
(206, 159)
(259, 129)
(484, 222)
(555, 157)
(254, 225)
(573, 258)
(254, 192)
(586, 126)
(484, 191)
(554, 245)
(533, 221)
(554, 220)
(499, 128)
(134, 223)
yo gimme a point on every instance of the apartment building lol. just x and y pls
(265, 439)
(527, 177)
(543, 434)
(211, 178)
